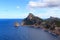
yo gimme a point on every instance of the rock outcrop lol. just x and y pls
(52, 23)
(16, 24)
(32, 20)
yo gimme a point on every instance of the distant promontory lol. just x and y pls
(51, 24)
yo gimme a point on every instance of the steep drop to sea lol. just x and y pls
(9, 32)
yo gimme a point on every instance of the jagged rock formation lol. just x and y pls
(52, 23)
(31, 20)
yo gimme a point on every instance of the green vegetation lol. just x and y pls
(48, 24)
(31, 20)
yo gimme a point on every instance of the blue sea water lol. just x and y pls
(9, 32)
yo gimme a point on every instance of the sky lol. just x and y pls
(21, 8)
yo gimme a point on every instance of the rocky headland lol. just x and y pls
(51, 24)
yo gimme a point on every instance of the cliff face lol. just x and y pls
(54, 20)
(31, 20)
(52, 23)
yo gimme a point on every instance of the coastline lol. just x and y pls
(52, 24)
(49, 31)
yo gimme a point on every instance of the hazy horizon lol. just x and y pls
(12, 9)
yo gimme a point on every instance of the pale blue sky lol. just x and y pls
(21, 8)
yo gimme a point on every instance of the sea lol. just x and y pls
(8, 31)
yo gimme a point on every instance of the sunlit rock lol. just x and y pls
(16, 24)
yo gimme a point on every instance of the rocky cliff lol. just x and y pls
(31, 20)
(52, 23)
